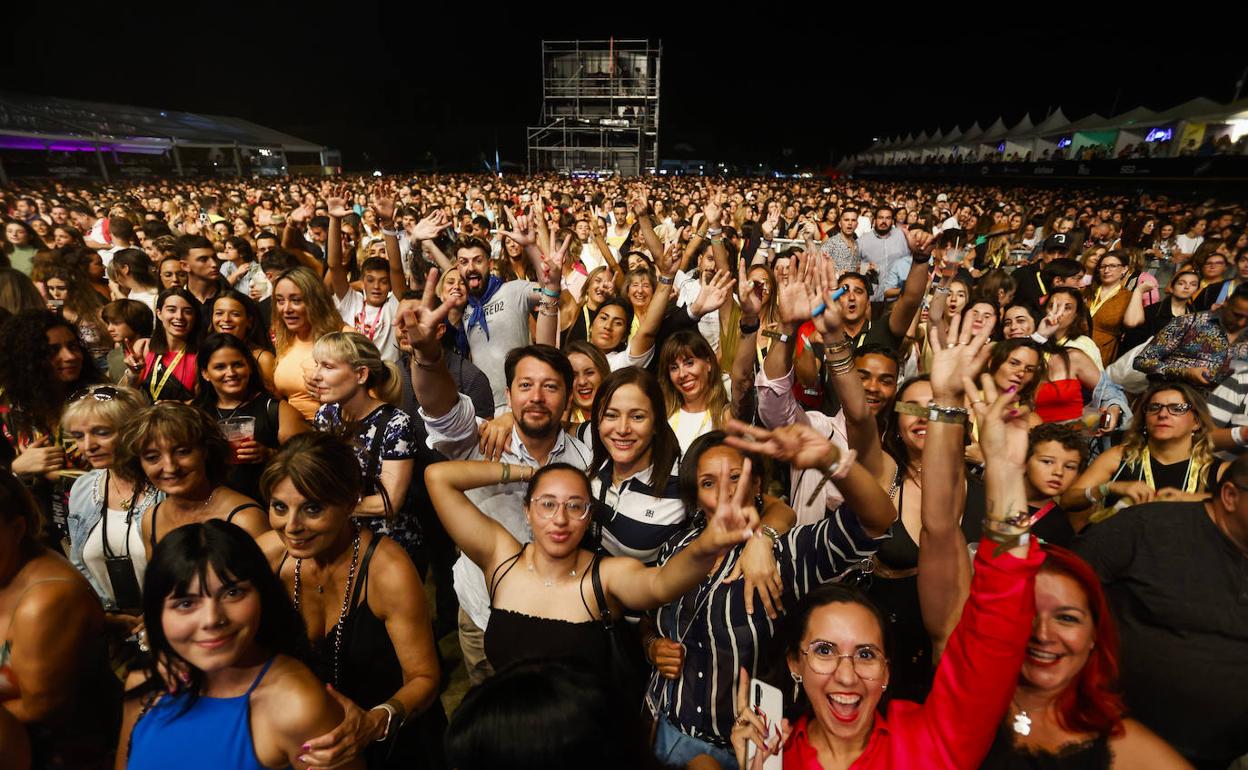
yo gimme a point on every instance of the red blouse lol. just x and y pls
(974, 681)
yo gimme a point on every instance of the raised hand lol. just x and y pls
(751, 301)
(418, 320)
(523, 231)
(1003, 429)
(794, 296)
(552, 263)
(920, 241)
(769, 226)
(669, 261)
(734, 519)
(959, 356)
(712, 211)
(301, 214)
(384, 205)
(428, 228)
(1048, 327)
(714, 293)
(829, 321)
(798, 445)
(337, 206)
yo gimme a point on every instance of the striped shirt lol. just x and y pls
(1228, 403)
(719, 637)
(636, 517)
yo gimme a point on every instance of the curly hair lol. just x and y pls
(27, 375)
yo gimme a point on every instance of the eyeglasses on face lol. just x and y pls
(1174, 409)
(548, 505)
(1110, 266)
(868, 661)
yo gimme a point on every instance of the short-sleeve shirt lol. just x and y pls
(398, 442)
(507, 314)
(376, 323)
(1179, 591)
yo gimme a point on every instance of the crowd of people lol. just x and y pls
(957, 473)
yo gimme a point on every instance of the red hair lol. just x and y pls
(1091, 703)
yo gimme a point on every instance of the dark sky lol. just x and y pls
(388, 86)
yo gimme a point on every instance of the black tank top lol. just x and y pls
(228, 517)
(1004, 755)
(512, 637)
(369, 673)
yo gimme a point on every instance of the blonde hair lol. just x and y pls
(358, 352)
(1136, 436)
(323, 317)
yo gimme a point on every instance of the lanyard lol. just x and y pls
(1098, 301)
(134, 495)
(1190, 482)
(157, 388)
(364, 327)
(1040, 283)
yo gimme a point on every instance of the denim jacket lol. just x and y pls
(85, 499)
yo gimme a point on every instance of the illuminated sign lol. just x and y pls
(1063, 143)
(1160, 135)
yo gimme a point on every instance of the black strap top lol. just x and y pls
(900, 552)
(1005, 755)
(228, 517)
(512, 637)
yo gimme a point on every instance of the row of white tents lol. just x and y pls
(1174, 129)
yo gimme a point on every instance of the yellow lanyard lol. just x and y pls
(1190, 484)
(1040, 283)
(1098, 301)
(674, 421)
(585, 310)
(156, 389)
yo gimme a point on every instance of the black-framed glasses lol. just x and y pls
(1109, 267)
(1174, 409)
(868, 661)
(548, 505)
(98, 392)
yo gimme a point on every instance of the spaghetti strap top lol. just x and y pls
(229, 517)
(208, 733)
(512, 637)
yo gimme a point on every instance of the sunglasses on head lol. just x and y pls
(99, 393)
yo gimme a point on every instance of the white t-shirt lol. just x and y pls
(1188, 244)
(376, 323)
(708, 325)
(621, 359)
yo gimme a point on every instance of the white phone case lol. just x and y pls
(768, 700)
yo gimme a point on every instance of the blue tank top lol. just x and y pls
(214, 733)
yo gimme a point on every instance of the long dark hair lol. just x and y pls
(206, 397)
(1001, 353)
(184, 556)
(160, 343)
(893, 443)
(26, 372)
(688, 479)
(664, 446)
(257, 333)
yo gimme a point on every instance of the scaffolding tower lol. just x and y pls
(600, 108)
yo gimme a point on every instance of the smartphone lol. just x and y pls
(767, 699)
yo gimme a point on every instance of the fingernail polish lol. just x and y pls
(1011, 389)
(306, 746)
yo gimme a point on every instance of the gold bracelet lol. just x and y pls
(506, 474)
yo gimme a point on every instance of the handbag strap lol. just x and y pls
(599, 595)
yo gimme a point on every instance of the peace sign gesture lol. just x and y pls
(734, 519)
(552, 263)
(418, 320)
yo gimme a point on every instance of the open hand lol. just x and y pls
(798, 445)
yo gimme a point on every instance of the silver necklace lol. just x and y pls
(346, 597)
(547, 582)
(1022, 722)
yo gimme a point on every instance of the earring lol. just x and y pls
(758, 504)
(883, 687)
(797, 678)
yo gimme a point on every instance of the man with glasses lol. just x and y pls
(1176, 574)
(1200, 347)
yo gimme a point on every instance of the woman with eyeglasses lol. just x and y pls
(108, 503)
(1167, 454)
(1108, 299)
(364, 607)
(242, 696)
(553, 597)
(720, 620)
(181, 451)
(43, 365)
(167, 371)
(233, 390)
(838, 655)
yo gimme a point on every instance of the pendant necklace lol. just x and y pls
(1022, 721)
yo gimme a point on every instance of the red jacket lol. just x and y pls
(974, 681)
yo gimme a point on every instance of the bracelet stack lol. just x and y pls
(663, 279)
(1008, 533)
(954, 415)
(839, 356)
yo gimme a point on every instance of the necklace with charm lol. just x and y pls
(547, 582)
(1022, 721)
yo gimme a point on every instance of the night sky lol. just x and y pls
(388, 87)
